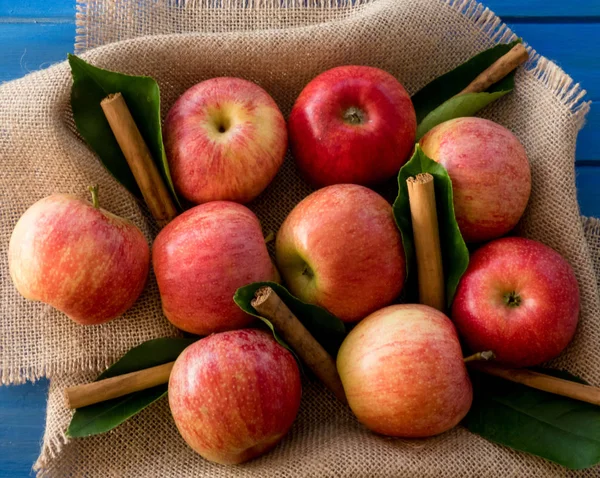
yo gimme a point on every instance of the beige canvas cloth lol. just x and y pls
(280, 45)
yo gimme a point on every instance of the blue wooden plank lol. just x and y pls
(588, 190)
(544, 8)
(28, 47)
(22, 419)
(37, 8)
(574, 47)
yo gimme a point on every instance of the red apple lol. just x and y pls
(490, 174)
(234, 395)
(225, 139)
(340, 248)
(352, 124)
(518, 298)
(403, 372)
(201, 258)
(78, 258)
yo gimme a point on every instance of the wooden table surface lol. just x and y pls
(36, 33)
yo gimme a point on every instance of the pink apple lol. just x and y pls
(403, 372)
(201, 258)
(352, 124)
(78, 258)
(225, 139)
(490, 174)
(234, 395)
(340, 249)
(518, 298)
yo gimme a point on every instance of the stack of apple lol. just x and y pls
(235, 393)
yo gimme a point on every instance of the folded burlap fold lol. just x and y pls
(281, 45)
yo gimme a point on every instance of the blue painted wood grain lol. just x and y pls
(588, 189)
(31, 9)
(37, 33)
(28, 47)
(22, 418)
(542, 9)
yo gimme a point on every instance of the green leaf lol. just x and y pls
(325, 327)
(457, 107)
(435, 104)
(90, 86)
(455, 254)
(560, 429)
(104, 416)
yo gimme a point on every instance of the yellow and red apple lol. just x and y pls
(403, 372)
(201, 258)
(340, 248)
(79, 258)
(234, 395)
(225, 139)
(490, 173)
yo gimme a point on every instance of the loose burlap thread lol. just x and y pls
(280, 45)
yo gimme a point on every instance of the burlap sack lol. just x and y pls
(280, 45)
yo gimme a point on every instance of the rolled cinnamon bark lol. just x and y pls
(540, 381)
(498, 70)
(423, 212)
(268, 304)
(139, 159)
(119, 386)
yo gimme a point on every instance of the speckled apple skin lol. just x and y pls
(545, 322)
(329, 150)
(347, 236)
(234, 395)
(490, 173)
(234, 165)
(85, 262)
(201, 258)
(403, 372)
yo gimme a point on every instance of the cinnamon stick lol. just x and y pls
(540, 381)
(138, 157)
(498, 70)
(423, 212)
(114, 387)
(268, 304)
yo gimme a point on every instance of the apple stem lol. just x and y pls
(269, 237)
(354, 115)
(480, 356)
(94, 191)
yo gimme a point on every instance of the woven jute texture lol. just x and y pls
(280, 45)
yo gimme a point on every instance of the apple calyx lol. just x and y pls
(354, 116)
(512, 299)
(307, 271)
(94, 192)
